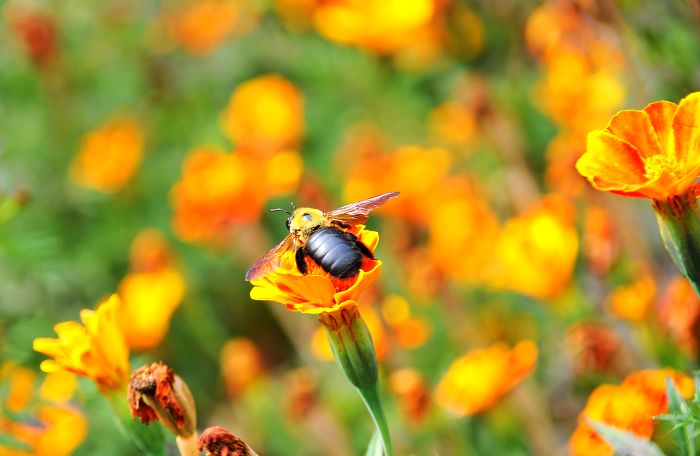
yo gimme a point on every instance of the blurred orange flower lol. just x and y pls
(536, 252)
(632, 301)
(416, 171)
(592, 347)
(679, 313)
(264, 115)
(646, 153)
(151, 292)
(317, 291)
(109, 156)
(412, 391)
(409, 332)
(452, 122)
(97, 349)
(55, 427)
(218, 190)
(204, 24)
(631, 407)
(600, 240)
(475, 382)
(241, 364)
(381, 26)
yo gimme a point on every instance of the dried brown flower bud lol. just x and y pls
(217, 441)
(157, 394)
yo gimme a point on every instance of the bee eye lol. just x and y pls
(307, 217)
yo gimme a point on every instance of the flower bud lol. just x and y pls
(352, 345)
(217, 441)
(679, 224)
(157, 394)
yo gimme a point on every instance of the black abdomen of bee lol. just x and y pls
(338, 252)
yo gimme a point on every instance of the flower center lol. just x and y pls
(658, 165)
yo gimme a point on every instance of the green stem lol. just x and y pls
(149, 440)
(371, 398)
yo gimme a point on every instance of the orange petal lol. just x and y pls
(636, 128)
(661, 116)
(610, 163)
(686, 126)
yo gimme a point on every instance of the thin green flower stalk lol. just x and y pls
(679, 224)
(353, 348)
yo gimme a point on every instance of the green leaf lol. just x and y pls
(683, 428)
(375, 447)
(625, 443)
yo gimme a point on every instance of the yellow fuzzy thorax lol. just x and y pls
(304, 219)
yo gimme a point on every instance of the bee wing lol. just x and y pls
(359, 212)
(270, 260)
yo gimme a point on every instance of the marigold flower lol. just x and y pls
(264, 115)
(475, 381)
(535, 253)
(53, 427)
(631, 407)
(109, 156)
(241, 364)
(204, 24)
(219, 190)
(632, 301)
(379, 26)
(646, 153)
(679, 312)
(156, 393)
(151, 292)
(412, 391)
(217, 441)
(317, 291)
(97, 349)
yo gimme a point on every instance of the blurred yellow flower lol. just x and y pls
(536, 252)
(646, 153)
(151, 292)
(241, 364)
(381, 26)
(452, 122)
(475, 381)
(47, 427)
(632, 301)
(97, 349)
(317, 291)
(462, 231)
(264, 115)
(109, 156)
(219, 190)
(631, 407)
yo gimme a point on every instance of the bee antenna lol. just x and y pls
(294, 206)
(279, 209)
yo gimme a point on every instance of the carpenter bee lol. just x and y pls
(323, 237)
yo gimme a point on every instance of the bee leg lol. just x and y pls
(363, 249)
(300, 259)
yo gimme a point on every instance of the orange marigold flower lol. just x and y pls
(381, 26)
(109, 156)
(536, 253)
(264, 115)
(475, 382)
(631, 407)
(151, 292)
(219, 190)
(241, 364)
(646, 153)
(412, 391)
(97, 349)
(47, 427)
(204, 24)
(679, 313)
(317, 292)
(632, 301)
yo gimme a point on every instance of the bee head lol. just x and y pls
(304, 219)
